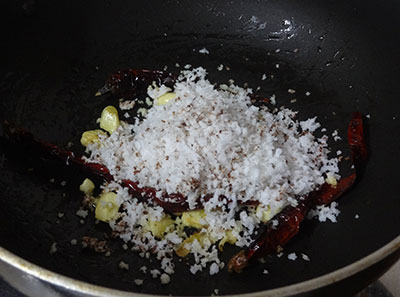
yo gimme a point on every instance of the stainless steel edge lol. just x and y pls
(32, 273)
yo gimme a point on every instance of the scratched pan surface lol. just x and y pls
(56, 55)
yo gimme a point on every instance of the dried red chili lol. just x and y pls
(25, 139)
(173, 203)
(288, 224)
(355, 137)
(128, 83)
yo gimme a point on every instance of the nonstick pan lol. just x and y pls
(56, 54)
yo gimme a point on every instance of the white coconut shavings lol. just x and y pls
(126, 104)
(305, 257)
(323, 213)
(204, 253)
(82, 213)
(155, 273)
(143, 269)
(336, 136)
(138, 282)
(123, 265)
(214, 268)
(154, 91)
(273, 99)
(53, 248)
(165, 278)
(210, 141)
(292, 256)
(204, 51)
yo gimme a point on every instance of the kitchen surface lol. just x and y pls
(391, 280)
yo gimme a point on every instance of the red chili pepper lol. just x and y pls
(172, 203)
(26, 139)
(355, 137)
(128, 83)
(273, 237)
(327, 193)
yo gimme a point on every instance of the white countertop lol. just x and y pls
(391, 280)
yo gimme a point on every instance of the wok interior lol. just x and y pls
(59, 54)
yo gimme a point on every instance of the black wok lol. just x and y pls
(56, 54)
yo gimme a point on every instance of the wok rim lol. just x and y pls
(301, 287)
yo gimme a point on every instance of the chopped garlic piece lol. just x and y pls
(91, 136)
(109, 120)
(106, 207)
(266, 213)
(263, 213)
(183, 251)
(87, 187)
(228, 238)
(331, 180)
(158, 228)
(194, 218)
(164, 99)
